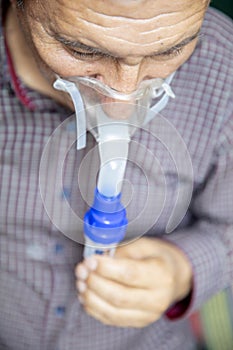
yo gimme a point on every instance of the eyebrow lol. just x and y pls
(102, 52)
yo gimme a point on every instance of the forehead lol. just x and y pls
(135, 9)
(130, 24)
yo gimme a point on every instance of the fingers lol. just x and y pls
(120, 296)
(114, 303)
(140, 248)
(134, 288)
(126, 271)
(111, 315)
(147, 273)
(131, 249)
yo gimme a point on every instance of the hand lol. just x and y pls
(137, 286)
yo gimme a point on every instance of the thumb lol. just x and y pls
(138, 249)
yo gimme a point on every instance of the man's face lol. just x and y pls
(119, 42)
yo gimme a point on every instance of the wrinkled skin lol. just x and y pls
(128, 34)
(130, 41)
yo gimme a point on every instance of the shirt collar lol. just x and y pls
(39, 101)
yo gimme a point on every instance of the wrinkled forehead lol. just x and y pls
(137, 9)
(134, 9)
(138, 23)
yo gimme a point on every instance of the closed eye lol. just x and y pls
(95, 54)
(86, 55)
(171, 53)
(176, 50)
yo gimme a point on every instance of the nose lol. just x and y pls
(123, 77)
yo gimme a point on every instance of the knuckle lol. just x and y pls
(131, 274)
(86, 296)
(106, 316)
(115, 300)
(163, 305)
(110, 316)
(119, 300)
(170, 280)
(152, 318)
(91, 280)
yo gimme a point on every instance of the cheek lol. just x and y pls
(58, 61)
(52, 58)
(161, 68)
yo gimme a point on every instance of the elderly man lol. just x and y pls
(141, 298)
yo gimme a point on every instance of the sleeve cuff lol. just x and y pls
(207, 254)
(178, 309)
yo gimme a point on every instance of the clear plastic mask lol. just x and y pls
(112, 117)
(101, 109)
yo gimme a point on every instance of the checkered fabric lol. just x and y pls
(45, 189)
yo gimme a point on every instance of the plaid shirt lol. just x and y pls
(45, 191)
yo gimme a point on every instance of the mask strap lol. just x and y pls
(166, 85)
(67, 86)
(167, 88)
(161, 104)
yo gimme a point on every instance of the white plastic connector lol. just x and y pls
(70, 87)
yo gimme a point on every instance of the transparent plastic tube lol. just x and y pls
(113, 143)
(113, 157)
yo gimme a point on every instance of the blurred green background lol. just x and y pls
(225, 6)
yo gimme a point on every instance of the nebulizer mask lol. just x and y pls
(112, 117)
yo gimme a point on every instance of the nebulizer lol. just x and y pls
(112, 117)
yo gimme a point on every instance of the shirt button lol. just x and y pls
(58, 248)
(60, 311)
(66, 193)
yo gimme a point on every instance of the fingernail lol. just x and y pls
(82, 272)
(82, 286)
(91, 263)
